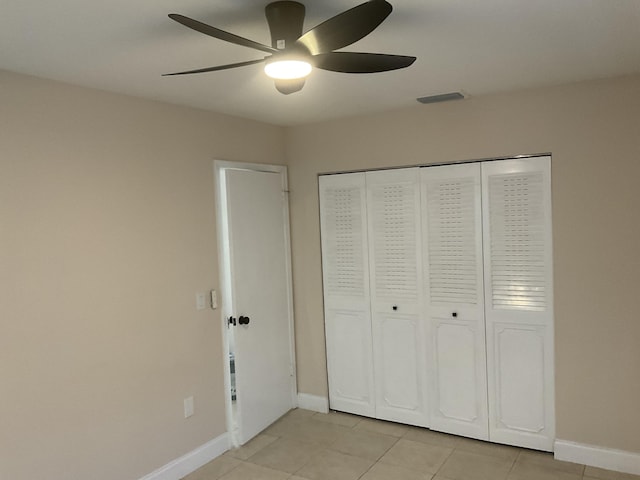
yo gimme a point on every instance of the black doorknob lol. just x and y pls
(243, 320)
(232, 320)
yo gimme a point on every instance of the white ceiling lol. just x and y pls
(474, 46)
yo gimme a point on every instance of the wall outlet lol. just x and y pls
(188, 407)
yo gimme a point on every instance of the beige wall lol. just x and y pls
(107, 231)
(593, 132)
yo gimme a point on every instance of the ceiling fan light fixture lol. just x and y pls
(287, 69)
(293, 55)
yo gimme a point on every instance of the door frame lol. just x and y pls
(224, 301)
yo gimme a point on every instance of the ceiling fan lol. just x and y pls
(292, 55)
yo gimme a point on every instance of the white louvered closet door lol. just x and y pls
(454, 299)
(345, 266)
(399, 358)
(518, 301)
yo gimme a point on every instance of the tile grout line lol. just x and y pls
(369, 469)
(513, 465)
(453, 449)
(375, 462)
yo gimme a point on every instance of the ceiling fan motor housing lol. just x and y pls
(286, 20)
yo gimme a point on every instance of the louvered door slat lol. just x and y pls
(343, 230)
(392, 211)
(517, 245)
(452, 240)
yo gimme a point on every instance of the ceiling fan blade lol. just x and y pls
(289, 86)
(350, 62)
(219, 67)
(220, 34)
(346, 28)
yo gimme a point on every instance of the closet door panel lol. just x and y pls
(345, 268)
(455, 371)
(399, 338)
(454, 306)
(519, 303)
(519, 356)
(396, 345)
(349, 349)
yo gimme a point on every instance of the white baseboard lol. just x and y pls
(191, 461)
(608, 458)
(314, 403)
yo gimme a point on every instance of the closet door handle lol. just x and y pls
(394, 308)
(454, 314)
(243, 320)
(232, 321)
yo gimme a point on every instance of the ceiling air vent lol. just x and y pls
(443, 97)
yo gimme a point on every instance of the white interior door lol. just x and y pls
(257, 245)
(345, 270)
(399, 339)
(452, 233)
(519, 301)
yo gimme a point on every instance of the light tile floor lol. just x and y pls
(304, 445)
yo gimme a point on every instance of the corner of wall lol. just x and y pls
(314, 403)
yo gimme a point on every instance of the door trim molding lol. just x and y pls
(191, 461)
(601, 457)
(219, 166)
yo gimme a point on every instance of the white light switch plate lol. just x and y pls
(201, 302)
(214, 299)
(188, 407)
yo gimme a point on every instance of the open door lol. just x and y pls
(257, 302)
